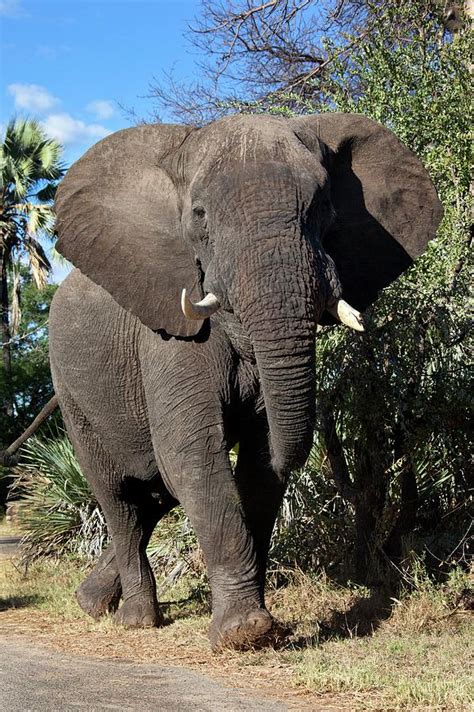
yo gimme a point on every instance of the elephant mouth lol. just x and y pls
(210, 304)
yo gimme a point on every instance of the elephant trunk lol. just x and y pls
(281, 323)
(287, 376)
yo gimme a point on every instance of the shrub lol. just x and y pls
(57, 509)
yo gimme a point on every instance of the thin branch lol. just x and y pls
(462, 260)
(238, 17)
(337, 460)
(305, 78)
(15, 339)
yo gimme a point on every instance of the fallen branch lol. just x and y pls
(7, 457)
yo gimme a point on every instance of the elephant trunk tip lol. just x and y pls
(284, 461)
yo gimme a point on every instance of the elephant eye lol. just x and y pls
(199, 212)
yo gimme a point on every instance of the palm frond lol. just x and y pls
(16, 300)
(57, 508)
(47, 193)
(58, 259)
(40, 218)
(28, 157)
(39, 263)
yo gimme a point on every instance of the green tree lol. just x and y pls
(30, 373)
(30, 169)
(400, 404)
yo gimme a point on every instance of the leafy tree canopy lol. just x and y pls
(30, 169)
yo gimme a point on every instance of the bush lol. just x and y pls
(314, 528)
(57, 509)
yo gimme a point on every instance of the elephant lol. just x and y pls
(205, 258)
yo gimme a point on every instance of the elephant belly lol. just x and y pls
(95, 366)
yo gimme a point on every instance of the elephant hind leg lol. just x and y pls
(101, 591)
(132, 507)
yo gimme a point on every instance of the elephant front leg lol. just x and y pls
(201, 478)
(261, 490)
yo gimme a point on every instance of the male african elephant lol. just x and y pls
(272, 221)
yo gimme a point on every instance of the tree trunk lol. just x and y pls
(7, 406)
(371, 486)
(406, 519)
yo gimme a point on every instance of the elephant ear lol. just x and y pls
(386, 206)
(118, 221)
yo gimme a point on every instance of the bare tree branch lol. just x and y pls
(16, 339)
(337, 460)
(255, 54)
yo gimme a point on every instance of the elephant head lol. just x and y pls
(273, 219)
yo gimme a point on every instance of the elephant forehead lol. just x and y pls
(246, 140)
(276, 181)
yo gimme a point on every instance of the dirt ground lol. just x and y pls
(410, 662)
(79, 640)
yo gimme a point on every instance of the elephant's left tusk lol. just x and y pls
(200, 310)
(347, 315)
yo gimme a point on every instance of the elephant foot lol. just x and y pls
(139, 612)
(242, 631)
(100, 593)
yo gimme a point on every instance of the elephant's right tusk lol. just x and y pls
(347, 315)
(200, 310)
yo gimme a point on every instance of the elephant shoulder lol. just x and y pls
(83, 311)
(78, 292)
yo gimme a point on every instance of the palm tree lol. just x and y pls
(30, 169)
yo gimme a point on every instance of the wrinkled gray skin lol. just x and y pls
(153, 403)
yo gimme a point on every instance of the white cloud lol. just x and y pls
(32, 97)
(12, 8)
(67, 130)
(101, 109)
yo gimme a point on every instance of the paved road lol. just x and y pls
(8, 546)
(35, 679)
(38, 680)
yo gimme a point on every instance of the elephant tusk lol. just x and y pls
(347, 315)
(200, 310)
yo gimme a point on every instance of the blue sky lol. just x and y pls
(69, 63)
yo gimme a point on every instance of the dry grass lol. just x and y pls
(393, 672)
(350, 648)
(9, 530)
